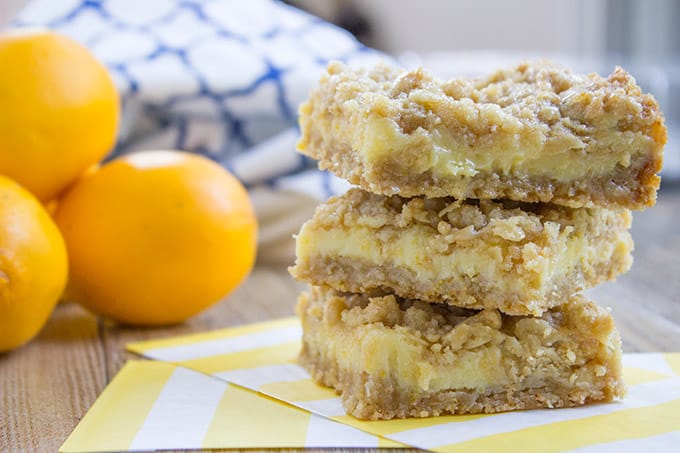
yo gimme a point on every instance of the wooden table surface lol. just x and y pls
(47, 386)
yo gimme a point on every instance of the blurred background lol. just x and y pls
(632, 28)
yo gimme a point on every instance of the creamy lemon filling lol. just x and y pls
(396, 354)
(447, 154)
(399, 355)
(412, 249)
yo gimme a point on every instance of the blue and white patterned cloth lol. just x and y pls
(222, 78)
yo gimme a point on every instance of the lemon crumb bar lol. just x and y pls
(516, 257)
(534, 132)
(391, 358)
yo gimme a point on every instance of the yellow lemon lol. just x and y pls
(156, 236)
(33, 265)
(59, 110)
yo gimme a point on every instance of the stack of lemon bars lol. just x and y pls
(449, 280)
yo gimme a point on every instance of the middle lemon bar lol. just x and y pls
(519, 258)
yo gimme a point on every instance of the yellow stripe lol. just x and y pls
(229, 332)
(387, 427)
(270, 355)
(627, 424)
(674, 361)
(634, 376)
(242, 420)
(120, 411)
(298, 391)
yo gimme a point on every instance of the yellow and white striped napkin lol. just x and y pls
(261, 357)
(157, 405)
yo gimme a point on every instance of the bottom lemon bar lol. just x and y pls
(390, 357)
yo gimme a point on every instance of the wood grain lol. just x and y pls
(48, 385)
(268, 293)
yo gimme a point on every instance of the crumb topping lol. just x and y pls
(543, 96)
(454, 220)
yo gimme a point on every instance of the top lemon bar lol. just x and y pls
(534, 132)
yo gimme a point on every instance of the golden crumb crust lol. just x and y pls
(533, 132)
(517, 257)
(390, 357)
